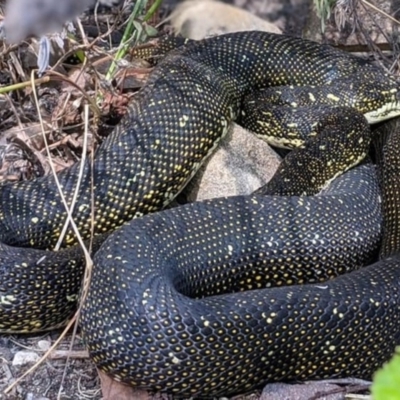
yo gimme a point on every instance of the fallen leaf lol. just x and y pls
(112, 390)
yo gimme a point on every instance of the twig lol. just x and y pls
(66, 354)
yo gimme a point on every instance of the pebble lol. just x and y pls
(44, 345)
(25, 357)
(303, 391)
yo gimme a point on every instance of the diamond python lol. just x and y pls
(149, 319)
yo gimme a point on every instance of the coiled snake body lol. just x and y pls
(145, 320)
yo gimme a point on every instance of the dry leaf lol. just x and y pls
(112, 390)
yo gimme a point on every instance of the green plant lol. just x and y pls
(386, 383)
(136, 31)
(323, 9)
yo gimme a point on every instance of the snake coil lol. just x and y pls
(179, 300)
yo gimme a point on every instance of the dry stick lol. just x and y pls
(48, 78)
(363, 48)
(23, 85)
(67, 354)
(89, 262)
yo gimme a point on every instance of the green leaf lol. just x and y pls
(138, 27)
(150, 31)
(386, 384)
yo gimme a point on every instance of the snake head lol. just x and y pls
(379, 98)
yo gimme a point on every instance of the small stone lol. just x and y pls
(302, 391)
(44, 345)
(25, 357)
(202, 18)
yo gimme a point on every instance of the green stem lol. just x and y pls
(137, 10)
(154, 7)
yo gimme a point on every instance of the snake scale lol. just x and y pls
(180, 300)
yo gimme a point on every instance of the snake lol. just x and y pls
(180, 299)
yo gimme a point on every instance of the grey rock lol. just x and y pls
(44, 345)
(241, 165)
(202, 18)
(25, 357)
(304, 391)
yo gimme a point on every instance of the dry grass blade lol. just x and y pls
(67, 208)
(78, 183)
(89, 262)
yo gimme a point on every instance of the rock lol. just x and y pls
(199, 19)
(241, 165)
(25, 357)
(44, 345)
(283, 391)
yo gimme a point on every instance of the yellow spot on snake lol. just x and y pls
(35, 220)
(156, 144)
(8, 299)
(183, 120)
(82, 207)
(175, 360)
(332, 97)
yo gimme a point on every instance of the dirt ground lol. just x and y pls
(77, 378)
(81, 380)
